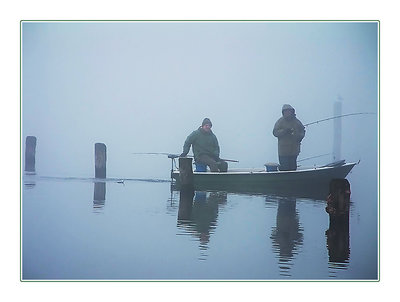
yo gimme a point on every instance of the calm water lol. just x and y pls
(142, 230)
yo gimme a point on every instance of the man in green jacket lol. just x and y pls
(290, 132)
(205, 147)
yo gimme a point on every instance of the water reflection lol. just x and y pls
(287, 236)
(338, 242)
(337, 236)
(29, 180)
(99, 197)
(172, 203)
(317, 192)
(197, 215)
(29, 185)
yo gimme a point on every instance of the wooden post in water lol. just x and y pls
(338, 201)
(30, 153)
(100, 151)
(185, 172)
(186, 188)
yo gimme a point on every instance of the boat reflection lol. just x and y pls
(99, 197)
(316, 192)
(287, 235)
(198, 213)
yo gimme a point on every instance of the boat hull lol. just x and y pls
(298, 182)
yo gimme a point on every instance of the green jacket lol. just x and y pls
(202, 143)
(289, 141)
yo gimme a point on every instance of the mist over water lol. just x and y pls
(143, 87)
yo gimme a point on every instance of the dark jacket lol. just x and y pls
(289, 131)
(202, 143)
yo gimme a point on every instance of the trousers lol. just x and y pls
(215, 166)
(288, 163)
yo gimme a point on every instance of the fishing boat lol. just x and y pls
(312, 181)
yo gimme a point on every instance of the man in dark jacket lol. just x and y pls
(205, 147)
(289, 131)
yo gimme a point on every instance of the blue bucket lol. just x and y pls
(271, 167)
(201, 167)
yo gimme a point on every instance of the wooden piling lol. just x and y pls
(186, 188)
(30, 153)
(338, 201)
(100, 160)
(185, 172)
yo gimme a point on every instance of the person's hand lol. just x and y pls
(289, 131)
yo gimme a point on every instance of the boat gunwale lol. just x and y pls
(259, 171)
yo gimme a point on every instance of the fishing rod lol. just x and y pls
(171, 155)
(307, 158)
(152, 153)
(338, 116)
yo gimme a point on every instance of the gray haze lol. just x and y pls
(144, 86)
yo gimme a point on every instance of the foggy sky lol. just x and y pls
(144, 86)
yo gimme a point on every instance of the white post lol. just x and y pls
(337, 131)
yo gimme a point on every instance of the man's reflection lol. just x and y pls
(287, 236)
(198, 212)
(99, 196)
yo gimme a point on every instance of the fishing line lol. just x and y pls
(338, 116)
